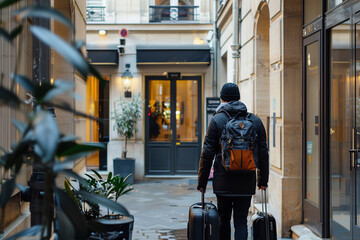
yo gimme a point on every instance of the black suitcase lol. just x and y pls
(203, 221)
(263, 225)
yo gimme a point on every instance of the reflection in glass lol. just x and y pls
(312, 10)
(340, 130)
(159, 111)
(312, 123)
(333, 3)
(357, 190)
(186, 111)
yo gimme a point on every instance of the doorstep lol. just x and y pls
(302, 232)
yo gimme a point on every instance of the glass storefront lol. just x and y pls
(331, 159)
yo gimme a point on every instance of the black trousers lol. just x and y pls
(240, 207)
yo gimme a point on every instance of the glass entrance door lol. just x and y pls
(355, 157)
(340, 130)
(311, 144)
(173, 125)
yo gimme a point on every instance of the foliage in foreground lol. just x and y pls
(42, 145)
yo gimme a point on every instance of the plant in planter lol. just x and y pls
(112, 188)
(126, 114)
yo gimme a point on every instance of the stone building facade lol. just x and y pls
(165, 46)
(269, 77)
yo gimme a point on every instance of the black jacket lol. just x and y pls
(225, 183)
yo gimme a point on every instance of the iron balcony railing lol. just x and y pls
(95, 14)
(173, 13)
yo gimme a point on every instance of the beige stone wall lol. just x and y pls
(281, 95)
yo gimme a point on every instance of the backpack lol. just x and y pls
(237, 143)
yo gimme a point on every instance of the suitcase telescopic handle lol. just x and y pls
(263, 201)
(203, 200)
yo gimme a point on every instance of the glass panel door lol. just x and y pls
(159, 111)
(340, 130)
(186, 111)
(187, 148)
(356, 160)
(312, 123)
(311, 131)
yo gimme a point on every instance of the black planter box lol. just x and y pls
(124, 167)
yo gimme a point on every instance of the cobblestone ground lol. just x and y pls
(160, 207)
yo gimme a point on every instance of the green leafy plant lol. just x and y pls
(42, 145)
(126, 114)
(112, 188)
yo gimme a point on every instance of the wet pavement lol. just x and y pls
(161, 207)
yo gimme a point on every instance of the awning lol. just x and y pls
(103, 54)
(171, 54)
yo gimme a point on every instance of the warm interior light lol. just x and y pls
(127, 83)
(51, 81)
(102, 33)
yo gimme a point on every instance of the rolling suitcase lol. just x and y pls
(203, 221)
(263, 225)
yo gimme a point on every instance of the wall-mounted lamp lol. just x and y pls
(102, 33)
(127, 81)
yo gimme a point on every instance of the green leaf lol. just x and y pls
(97, 174)
(72, 211)
(66, 228)
(33, 231)
(109, 177)
(6, 190)
(72, 174)
(21, 126)
(66, 107)
(9, 98)
(6, 3)
(68, 138)
(105, 202)
(63, 48)
(59, 87)
(5, 34)
(43, 12)
(25, 82)
(47, 135)
(71, 148)
(16, 31)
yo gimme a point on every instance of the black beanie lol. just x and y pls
(230, 92)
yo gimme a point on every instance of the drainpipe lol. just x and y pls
(236, 47)
(215, 51)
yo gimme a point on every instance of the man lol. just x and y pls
(233, 190)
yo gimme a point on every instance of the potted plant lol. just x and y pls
(114, 225)
(126, 113)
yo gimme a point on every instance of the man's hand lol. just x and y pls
(262, 188)
(203, 190)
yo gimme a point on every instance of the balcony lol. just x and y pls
(173, 13)
(95, 14)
